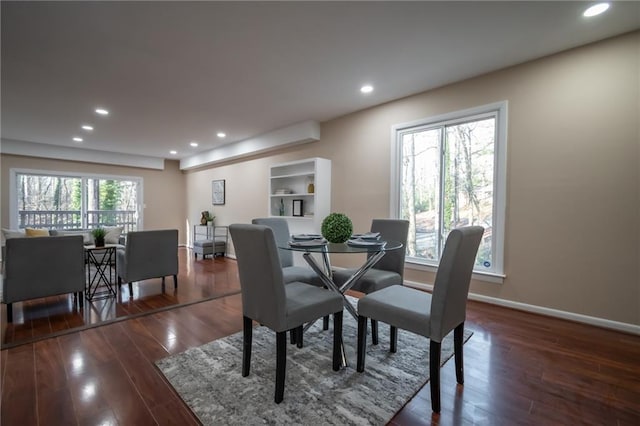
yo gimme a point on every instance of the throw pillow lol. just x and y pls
(13, 233)
(32, 232)
(86, 235)
(113, 234)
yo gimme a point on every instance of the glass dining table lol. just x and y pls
(375, 250)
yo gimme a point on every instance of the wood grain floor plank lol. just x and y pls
(3, 368)
(19, 400)
(49, 367)
(148, 345)
(55, 407)
(103, 418)
(144, 376)
(174, 413)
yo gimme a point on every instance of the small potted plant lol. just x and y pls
(337, 228)
(210, 218)
(98, 236)
(206, 218)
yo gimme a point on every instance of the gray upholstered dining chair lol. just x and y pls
(388, 271)
(430, 315)
(148, 254)
(290, 272)
(267, 300)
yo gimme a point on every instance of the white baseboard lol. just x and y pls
(586, 319)
(556, 313)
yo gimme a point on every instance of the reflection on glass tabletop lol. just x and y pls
(387, 245)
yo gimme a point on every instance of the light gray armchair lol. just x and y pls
(37, 267)
(267, 300)
(432, 316)
(148, 254)
(290, 272)
(388, 271)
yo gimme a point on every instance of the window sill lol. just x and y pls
(490, 277)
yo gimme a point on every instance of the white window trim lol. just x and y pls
(13, 206)
(500, 177)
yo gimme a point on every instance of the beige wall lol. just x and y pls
(164, 190)
(573, 191)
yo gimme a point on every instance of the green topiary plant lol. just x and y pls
(337, 228)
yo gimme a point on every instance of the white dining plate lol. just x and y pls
(308, 243)
(305, 237)
(367, 236)
(357, 242)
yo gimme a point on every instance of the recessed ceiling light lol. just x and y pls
(366, 88)
(77, 139)
(194, 144)
(221, 135)
(172, 152)
(102, 111)
(87, 128)
(596, 9)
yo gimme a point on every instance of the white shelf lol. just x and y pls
(295, 176)
(296, 217)
(292, 175)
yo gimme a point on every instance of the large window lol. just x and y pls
(67, 201)
(449, 172)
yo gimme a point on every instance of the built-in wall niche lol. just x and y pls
(300, 191)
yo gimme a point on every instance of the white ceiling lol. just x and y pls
(173, 72)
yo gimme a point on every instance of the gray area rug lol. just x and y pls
(209, 380)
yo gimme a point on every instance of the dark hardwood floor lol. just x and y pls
(198, 280)
(520, 368)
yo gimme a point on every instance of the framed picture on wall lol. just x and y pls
(217, 191)
(297, 209)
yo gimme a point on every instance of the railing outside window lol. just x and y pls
(67, 200)
(72, 219)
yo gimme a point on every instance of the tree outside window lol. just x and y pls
(68, 202)
(448, 178)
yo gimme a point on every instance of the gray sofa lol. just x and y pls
(40, 267)
(114, 235)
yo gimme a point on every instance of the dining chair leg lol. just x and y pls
(374, 332)
(130, 289)
(247, 329)
(292, 336)
(175, 281)
(434, 373)
(325, 322)
(457, 348)
(299, 336)
(393, 339)
(9, 312)
(281, 364)
(337, 340)
(362, 343)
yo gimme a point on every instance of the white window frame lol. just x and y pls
(496, 274)
(13, 200)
